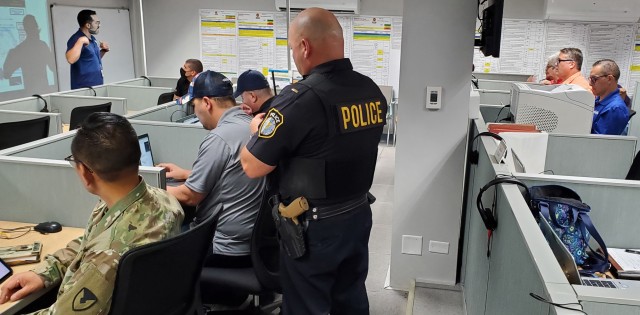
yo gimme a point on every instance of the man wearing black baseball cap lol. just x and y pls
(216, 176)
(255, 91)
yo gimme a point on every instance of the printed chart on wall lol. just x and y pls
(522, 47)
(234, 41)
(526, 45)
(371, 47)
(634, 69)
(218, 41)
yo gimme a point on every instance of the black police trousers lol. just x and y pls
(330, 277)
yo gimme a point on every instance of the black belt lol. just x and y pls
(324, 212)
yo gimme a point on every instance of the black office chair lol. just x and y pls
(262, 279)
(165, 98)
(20, 132)
(162, 277)
(79, 114)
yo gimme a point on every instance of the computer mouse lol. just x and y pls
(48, 227)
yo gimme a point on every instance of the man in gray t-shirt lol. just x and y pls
(216, 176)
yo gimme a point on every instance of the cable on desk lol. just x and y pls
(560, 305)
(6, 233)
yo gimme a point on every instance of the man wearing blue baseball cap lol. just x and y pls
(255, 91)
(216, 176)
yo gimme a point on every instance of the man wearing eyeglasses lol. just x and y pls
(569, 65)
(610, 114)
(84, 52)
(130, 213)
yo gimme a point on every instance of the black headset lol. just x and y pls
(474, 155)
(44, 109)
(145, 77)
(486, 214)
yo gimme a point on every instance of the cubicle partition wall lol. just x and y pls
(26, 104)
(499, 274)
(161, 113)
(502, 76)
(150, 81)
(634, 122)
(100, 90)
(590, 155)
(172, 142)
(64, 104)
(495, 97)
(36, 184)
(138, 97)
(55, 122)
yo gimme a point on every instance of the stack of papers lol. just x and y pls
(21, 254)
(626, 262)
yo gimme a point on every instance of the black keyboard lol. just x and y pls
(598, 283)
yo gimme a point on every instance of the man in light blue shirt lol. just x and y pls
(610, 114)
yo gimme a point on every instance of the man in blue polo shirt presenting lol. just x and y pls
(85, 53)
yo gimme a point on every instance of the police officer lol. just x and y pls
(322, 134)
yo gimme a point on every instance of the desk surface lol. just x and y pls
(50, 243)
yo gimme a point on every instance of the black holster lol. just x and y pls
(291, 235)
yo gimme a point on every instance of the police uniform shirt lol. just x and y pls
(217, 173)
(87, 267)
(299, 125)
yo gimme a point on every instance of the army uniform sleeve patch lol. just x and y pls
(270, 124)
(91, 294)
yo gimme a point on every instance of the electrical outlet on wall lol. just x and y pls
(439, 247)
(412, 244)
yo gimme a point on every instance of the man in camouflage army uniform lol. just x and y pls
(105, 154)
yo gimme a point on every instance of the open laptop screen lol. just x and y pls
(146, 157)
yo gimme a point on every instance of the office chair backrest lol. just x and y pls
(265, 249)
(161, 277)
(634, 170)
(19, 132)
(165, 98)
(79, 114)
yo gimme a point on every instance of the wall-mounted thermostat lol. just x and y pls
(434, 97)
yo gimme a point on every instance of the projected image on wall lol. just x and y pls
(26, 56)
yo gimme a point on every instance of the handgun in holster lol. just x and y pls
(289, 228)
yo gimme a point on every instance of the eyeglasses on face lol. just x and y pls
(594, 78)
(561, 60)
(72, 160)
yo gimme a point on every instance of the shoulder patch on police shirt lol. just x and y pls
(270, 124)
(360, 115)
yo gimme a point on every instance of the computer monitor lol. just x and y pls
(492, 28)
(19, 132)
(146, 155)
(563, 108)
(79, 114)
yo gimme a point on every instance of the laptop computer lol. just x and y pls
(570, 268)
(146, 156)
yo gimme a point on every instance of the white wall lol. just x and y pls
(172, 30)
(524, 9)
(437, 50)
